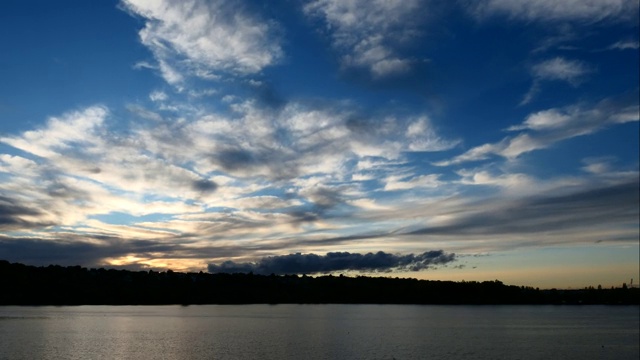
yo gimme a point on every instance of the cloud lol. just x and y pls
(233, 170)
(370, 33)
(97, 250)
(264, 202)
(61, 133)
(558, 69)
(158, 96)
(598, 165)
(205, 38)
(337, 261)
(518, 182)
(562, 35)
(47, 251)
(298, 140)
(571, 211)
(144, 113)
(578, 120)
(78, 168)
(15, 216)
(323, 197)
(400, 182)
(544, 128)
(204, 185)
(625, 45)
(421, 136)
(552, 10)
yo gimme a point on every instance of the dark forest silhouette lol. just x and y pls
(74, 285)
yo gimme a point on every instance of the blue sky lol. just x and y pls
(470, 140)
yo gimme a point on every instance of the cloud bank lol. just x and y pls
(337, 261)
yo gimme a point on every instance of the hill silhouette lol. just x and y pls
(75, 285)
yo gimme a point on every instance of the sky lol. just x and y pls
(445, 140)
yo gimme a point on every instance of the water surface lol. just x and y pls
(320, 332)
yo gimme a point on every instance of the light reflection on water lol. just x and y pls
(320, 332)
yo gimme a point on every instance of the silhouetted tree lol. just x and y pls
(56, 285)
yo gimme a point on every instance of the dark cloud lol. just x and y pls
(53, 251)
(94, 251)
(93, 170)
(337, 261)
(615, 205)
(12, 215)
(267, 95)
(204, 185)
(236, 159)
(301, 216)
(58, 189)
(360, 125)
(259, 161)
(322, 203)
(324, 197)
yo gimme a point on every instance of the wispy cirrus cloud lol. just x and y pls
(544, 128)
(569, 209)
(205, 39)
(625, 45)
(550, 10)
(369, 34)
(556, 69)
(560, 68)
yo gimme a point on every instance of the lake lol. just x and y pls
(320, 332)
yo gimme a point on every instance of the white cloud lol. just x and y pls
(205, 38)
(17, 164)
(553, 10)
(207, 160)
(171, 75)
(556, 69)
(625, 45)
(81, 170)
(158, 96)
(143, 112)
(260, 202)
(202, 93)
(546, 119)
(367, 32)
(513, 182)
(579, 120)
(521, 144)
(422, 137)
(369, 204)
(559, 68)
(598, 165)
(401, 182)
(548, 127)
(298, 140)
(60, 133)
(477, 153)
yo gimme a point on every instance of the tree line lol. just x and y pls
(75, 285)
